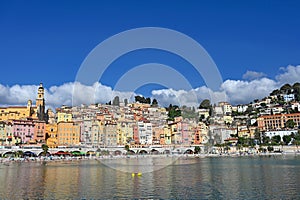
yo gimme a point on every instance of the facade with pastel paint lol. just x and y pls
(23, 130)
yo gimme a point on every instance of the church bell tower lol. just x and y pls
(40, 103)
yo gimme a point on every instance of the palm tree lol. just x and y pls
(197, 149)
(19, 154)
(45, 149)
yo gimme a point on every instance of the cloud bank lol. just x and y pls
(252, 75)
(233, 91)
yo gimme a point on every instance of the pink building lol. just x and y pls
(136, 136)
(23, 130)
(185, 134)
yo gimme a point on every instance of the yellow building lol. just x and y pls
(68, 134)
(203, 113)
(17, 112)
(125, 132)
(167, 135)
(51, 135)
(23, 112)
(63, 117)
(227, 119)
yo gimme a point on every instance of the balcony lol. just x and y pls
(40, 135)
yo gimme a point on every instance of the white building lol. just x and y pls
(218, 110)
(227, 109)
(242, 108)
(288, 97)
(296, 106)
(282, 133)
(145, 132)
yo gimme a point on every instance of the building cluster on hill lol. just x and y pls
(274, 119)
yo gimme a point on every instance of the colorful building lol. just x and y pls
(6, 134)
(145, 131)
(63, 117)
(68, 134)
(277, 122)
(39, 132)
(22, 112)
(110, 134)
(17, 112)
(3, 136)
(51, 135)
(23, 131)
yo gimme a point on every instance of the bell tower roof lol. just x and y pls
(41, 86)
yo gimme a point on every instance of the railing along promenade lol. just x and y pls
(94, 148)
(148, 149)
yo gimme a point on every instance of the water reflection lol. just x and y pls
(140, 164)
(185, 178)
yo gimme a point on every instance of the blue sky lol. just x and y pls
(46, 41)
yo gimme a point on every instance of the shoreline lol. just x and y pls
(7, 161)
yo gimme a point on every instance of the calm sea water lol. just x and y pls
(187, 178)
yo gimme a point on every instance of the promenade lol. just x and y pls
(93, 154)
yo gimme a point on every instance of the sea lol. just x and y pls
(246, 177)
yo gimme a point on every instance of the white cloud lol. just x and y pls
(189, 98)
(233, 91)
(16, 95)
(251, 75)
(291, 74)
(240, 92)
(66, 94)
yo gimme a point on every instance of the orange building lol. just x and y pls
(39, 131)
(51, 135)
(68, 134)
(277, 122)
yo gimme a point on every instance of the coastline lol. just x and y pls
(7, 161)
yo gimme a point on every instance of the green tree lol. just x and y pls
(275, 92)
(241, 141)
(270, 148)
(173, 111)
(148, 100)
(205, 104)
(276, 139)
(285, 88)
(296, 86)
(264, 105)
(290, 123)
(296, 140)
(45, 149)
(154, 102)
(19, 154)
(257, 135)
(287, 139)
(265, 139)
(249, 110)
(142, 99)
(197, 149)
(127, 147)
